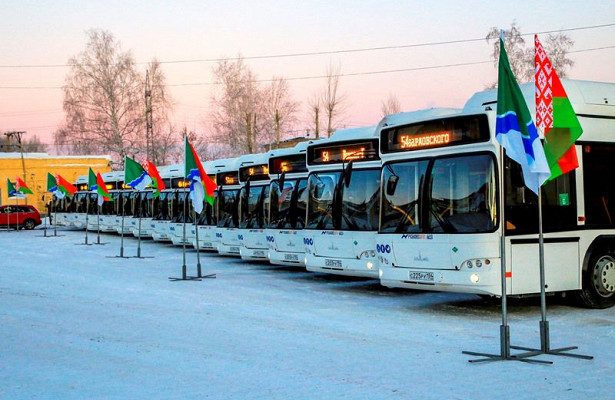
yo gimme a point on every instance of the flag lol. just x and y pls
(554, 113)
(52, 186)
(157, 181)
(65, 186)
(134, 175)
(101, 189)
(515, 130)
(92, 180)
(201, 185)
(21, 186)
(12, 192)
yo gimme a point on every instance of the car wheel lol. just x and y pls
(599, 281)
(29, 224)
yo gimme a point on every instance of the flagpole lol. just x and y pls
(184, 240)
(87, 213)
(98, 219)
(198, 256)
(55, 218)
(122, 227)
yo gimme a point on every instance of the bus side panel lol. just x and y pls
(561, 267)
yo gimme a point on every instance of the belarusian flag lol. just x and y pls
(92, 180)
(514, 128)
(52, 186)
(134, 175)
(157, 181)
(65, 186)
(101, 189)
(21, 186)
(554, 113)
(201, 186)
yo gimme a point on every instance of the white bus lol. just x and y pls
(287, 206)
(343, 202)
(253, 207)
(77, 204)
(441, 219)
(165, 204)
(208, 219)
(227, 208)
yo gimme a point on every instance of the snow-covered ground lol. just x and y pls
(75, 324)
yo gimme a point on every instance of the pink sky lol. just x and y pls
(50, 32)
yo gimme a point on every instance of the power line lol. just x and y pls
(324, 76)
(319, 53)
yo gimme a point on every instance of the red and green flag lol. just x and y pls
(157, 182)
(554, 113)
(135, 175)
(22, 187)
(201, 186)
(92, 180)
(64, 186)
(12, 192)
(52, 186)
(101, 189)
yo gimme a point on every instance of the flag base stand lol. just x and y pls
(545, 345)
(505, 351)
(185, 277)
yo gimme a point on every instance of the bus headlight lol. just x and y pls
(474, 278)
(370, 265)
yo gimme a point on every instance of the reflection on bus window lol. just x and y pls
(320, 203)
(361, 201)
(463, 195)
(400, 206)
(227, 209)
(287, 208)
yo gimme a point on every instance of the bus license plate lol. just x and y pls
(207, 244)
(291, 257)
(421, 277)
(234, 249)
(333, 263)
(259, 253)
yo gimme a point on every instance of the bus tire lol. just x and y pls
(599, 280)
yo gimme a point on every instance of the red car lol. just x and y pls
(19, 216)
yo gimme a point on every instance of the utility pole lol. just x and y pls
(9, 135)
(149, 121)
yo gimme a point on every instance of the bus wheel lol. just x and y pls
(599, 281)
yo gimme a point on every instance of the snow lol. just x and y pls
(75, 324)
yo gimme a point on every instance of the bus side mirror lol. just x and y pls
(282, 180)
(318, 190)
(392, 184)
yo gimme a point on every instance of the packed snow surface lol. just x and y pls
(78, 323)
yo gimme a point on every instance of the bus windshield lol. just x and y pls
(253, 207)
(442, 195)
(354, 207)
(227, 208)
(287, 209)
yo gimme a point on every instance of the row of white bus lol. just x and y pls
(421, 201)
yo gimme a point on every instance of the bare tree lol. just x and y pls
(332, 100)
(103, 100)
(163, 138)
(314, 114)
(522, 58)
(390, 106)
(279, 106)
(237, 118)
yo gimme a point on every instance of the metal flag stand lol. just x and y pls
(87, 213)
(98, 228)
(545, 345)
(139, 235)
(198, 256)
(121, 255)
(505, 328)
(185, 277)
